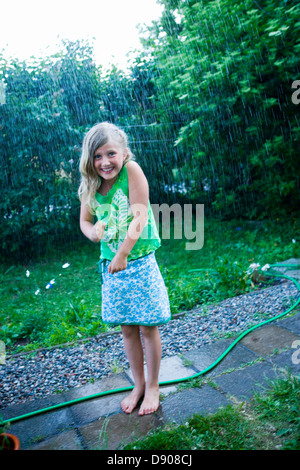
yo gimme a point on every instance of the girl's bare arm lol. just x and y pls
(93, 232)
(138, 199)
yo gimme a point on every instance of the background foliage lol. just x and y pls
(207, 106)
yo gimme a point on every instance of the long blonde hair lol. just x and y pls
(97, 136)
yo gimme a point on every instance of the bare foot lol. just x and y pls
(151, 402)
(130, 402)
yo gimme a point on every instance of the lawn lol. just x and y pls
(57, 299)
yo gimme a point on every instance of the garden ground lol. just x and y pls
(236, 390)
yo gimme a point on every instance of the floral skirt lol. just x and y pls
(135, 296)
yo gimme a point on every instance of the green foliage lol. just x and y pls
(207, 106)
(232, 276)
(281, 406)
(40, 137)
(227, 76)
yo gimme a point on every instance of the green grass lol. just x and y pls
(270, 421)
(67, 311)
(32, 316)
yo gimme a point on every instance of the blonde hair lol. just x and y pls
(97, 136)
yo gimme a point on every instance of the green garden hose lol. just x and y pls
(168, 382)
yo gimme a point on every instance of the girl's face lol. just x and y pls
(108, 161)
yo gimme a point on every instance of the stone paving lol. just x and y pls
(100, 424)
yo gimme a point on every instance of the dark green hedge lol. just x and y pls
(207, 105)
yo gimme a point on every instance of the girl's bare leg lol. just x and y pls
(134, 351)
(152, 345)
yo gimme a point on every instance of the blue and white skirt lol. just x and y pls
(135, 296)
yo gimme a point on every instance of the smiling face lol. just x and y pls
(108, 161)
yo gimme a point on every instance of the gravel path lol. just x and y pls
(32, 376)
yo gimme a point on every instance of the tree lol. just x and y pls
(227, 76)
(41, 133)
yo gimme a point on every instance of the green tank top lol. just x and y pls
(114, 209)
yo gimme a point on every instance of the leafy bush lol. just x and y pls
(225, 71)
(208, 101)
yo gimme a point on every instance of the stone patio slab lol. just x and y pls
(171, 368)
(291, 323)
(295, 273)
(269, 338)
(115, 431)
(289, 360)
(245, 382)
(68, 440)
(181, 405)
(40, 426)
(205, 356)
(92, 409)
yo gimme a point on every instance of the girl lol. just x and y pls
(115, 189)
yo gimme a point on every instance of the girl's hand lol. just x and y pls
(118, 263)
(97, 231)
